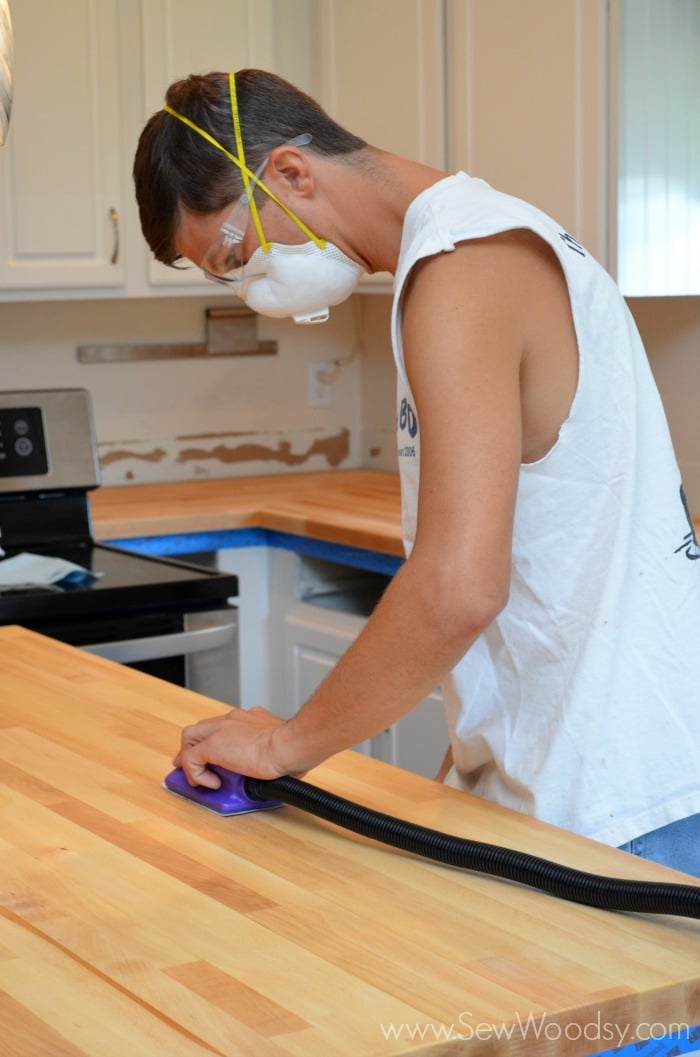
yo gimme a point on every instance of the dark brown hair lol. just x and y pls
(176, 166)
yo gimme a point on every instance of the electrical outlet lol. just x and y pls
(320, 388)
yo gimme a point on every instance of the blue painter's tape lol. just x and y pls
(683, 1042)
(192, 542)
(357, 557)
(197, 542)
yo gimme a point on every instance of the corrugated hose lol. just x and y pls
(578, 886)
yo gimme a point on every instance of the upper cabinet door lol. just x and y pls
(658, 178)
(180, 38)
(60, 170)
(379, 70)
(528, 105)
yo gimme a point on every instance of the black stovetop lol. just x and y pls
(57, 523)
(127, 583)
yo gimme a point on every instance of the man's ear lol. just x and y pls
(289, 168)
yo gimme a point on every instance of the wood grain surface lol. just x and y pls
(359, 508)
(133, 922)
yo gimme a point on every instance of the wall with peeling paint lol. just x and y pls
(670, 329)
(378, 384)
(184, 419)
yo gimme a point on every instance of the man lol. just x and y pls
(550, 584)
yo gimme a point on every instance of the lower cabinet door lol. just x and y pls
(314, 640)
(311, 667)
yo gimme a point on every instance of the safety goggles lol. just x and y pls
(224, 256)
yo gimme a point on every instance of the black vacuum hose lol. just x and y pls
(609, 893)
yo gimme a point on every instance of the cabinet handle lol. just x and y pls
(114, 217)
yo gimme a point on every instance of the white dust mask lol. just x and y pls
(301, 281)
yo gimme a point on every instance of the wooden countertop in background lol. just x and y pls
(358, 508)
(135, 922)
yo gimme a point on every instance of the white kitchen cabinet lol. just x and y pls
(528, 105)
(88, 74)
(61, 191)
(297, 617)
(418, 742)
(179, 39)
(313, 640)
(515, 93)
(378, 69)
(252, 567)
(589, 109)
(317, 612)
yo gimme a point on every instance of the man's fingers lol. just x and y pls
(196, 771)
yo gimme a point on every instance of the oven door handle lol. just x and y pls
(128, 651)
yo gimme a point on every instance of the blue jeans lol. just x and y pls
(676, 845)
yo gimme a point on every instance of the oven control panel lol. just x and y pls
(22, 442)
(47, 442)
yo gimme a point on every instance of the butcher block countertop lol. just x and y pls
(133, 922)
(358, 508)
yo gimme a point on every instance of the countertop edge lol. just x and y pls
(355, 508)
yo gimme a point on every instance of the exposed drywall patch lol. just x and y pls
(230, 455)
(334, 449)
(120, 454)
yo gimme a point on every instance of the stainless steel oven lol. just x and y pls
(176, 620)
(199, 650)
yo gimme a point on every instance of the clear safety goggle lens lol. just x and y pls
(222, 263)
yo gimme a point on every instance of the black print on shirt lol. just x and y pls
(571, 242)
(407, 421)
(689, 546)
(407, 418)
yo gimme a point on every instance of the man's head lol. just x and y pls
(175, 167)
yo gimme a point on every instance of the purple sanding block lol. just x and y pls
(229, 799)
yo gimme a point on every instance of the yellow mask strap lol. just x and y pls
(247, 174)
(241, 154)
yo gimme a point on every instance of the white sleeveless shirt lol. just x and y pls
(580, 704)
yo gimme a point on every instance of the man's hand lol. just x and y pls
(240, 741)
